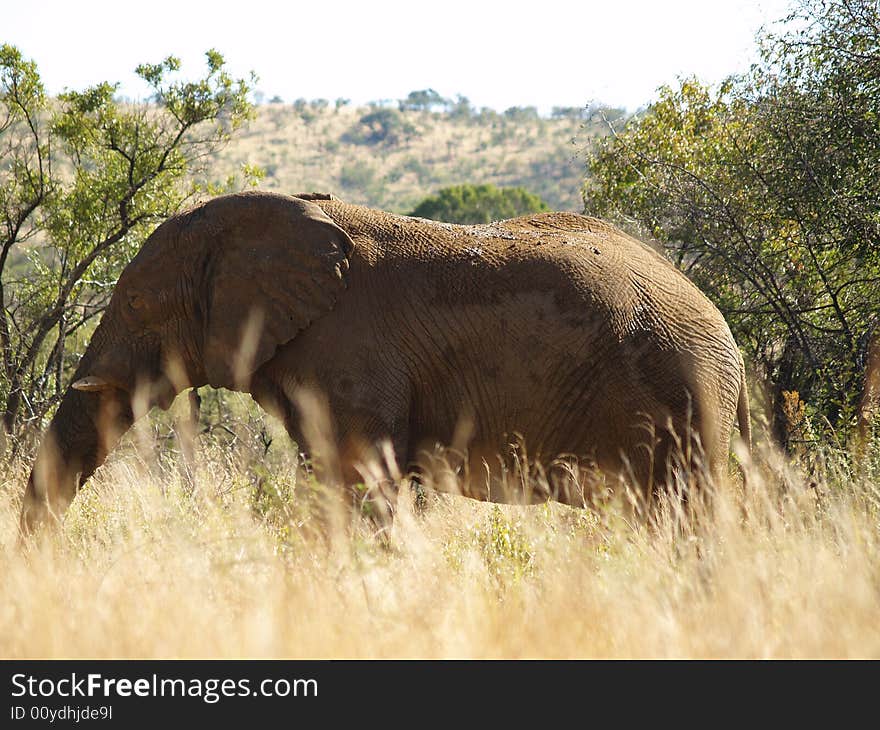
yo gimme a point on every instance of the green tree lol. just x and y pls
(765, 192)
(424, 100)
(381, 126)
(522, 114)
(478, 204)
(83, 180)
(461, 108)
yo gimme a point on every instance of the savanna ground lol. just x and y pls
(208, 549)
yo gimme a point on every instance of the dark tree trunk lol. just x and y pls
(13, 405)
(783, 383)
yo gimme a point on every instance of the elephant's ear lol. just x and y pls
(276, 265)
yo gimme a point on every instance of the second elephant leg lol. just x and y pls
(371, 473)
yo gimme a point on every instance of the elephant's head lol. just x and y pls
(209, 298)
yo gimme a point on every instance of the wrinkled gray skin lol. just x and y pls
(554, 327)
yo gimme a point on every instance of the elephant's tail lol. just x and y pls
(742, 410)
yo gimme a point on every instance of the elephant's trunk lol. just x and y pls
(84, 429)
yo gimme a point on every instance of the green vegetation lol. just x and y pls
(83, 180)
(478, 204)
(424, 100)
(765, 192)
(386, 127)
(358, 175)
(522, 113)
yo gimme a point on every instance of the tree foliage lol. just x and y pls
(765, 192)
(381, 126)
(522, 113)
(83, 180)
(424, 100)
(478, 204)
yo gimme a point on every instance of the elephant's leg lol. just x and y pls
(376, 503)
(370, 454)
(643, 468)
(347, 436)
(682, 466)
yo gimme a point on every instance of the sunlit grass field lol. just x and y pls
(212, 551)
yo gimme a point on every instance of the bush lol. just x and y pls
(385, 127)
(358, 175)
(478, 204)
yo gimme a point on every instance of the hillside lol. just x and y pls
(392, 159)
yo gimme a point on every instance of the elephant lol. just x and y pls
(556, 328)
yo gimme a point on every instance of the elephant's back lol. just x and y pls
(638, 289)
(586, 266)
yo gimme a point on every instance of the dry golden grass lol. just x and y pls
(215, 557)
(309, 150)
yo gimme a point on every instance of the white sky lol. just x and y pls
(499, 54)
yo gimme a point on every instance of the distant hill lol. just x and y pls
(392, 158)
